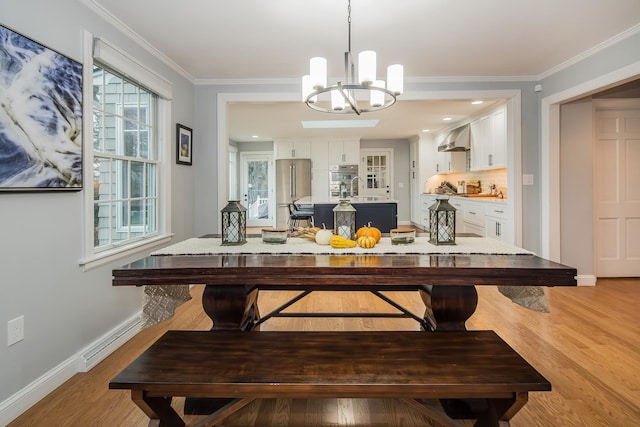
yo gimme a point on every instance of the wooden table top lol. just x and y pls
(355, 271)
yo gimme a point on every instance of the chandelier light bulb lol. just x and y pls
(318, 68)
(377, 97)
(367, 67)
(307, 88)
(395, 79)
(338, 102)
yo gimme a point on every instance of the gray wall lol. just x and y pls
(576, 186)
(400, 172)
(65, 308)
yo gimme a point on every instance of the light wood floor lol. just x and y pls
(588, 347)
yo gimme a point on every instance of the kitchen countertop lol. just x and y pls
(358, 199)
(477, 197)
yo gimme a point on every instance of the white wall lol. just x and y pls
(65, 308)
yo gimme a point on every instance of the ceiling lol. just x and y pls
(272, 40)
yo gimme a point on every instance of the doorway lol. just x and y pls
(256, 188)
(617, 193)
(376, 173)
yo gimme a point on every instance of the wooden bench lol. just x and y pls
(475, 374)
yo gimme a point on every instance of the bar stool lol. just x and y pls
(298, 216)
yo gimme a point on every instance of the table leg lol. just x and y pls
(447, 308)
(230, 308)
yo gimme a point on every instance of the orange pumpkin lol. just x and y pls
(368, 230)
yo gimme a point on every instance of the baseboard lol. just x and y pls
(586, 280)
(18, 403)
(108, 343)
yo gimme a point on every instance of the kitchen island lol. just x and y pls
(382, 213)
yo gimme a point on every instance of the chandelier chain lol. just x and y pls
(349, 22)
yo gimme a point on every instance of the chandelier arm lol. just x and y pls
(352, 102)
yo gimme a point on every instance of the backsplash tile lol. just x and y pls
(486, 178)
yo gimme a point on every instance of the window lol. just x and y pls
(125, 160)
(127, 208)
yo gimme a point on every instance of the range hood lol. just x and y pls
(458, 140)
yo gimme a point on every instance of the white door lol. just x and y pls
(617, 192)
(376, 173)
(256, 186)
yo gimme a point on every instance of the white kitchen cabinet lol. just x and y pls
(292, 149)
(426, 201)
(489, 141)
(498, 153)
(497, 224)
(344, 152)
(319, 155)
(474, 217)
(320, 184)
(459, 205)
(451, 161)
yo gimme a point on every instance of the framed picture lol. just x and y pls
(41, 119)
(184, 145)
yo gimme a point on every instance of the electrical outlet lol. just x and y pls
(15, 330)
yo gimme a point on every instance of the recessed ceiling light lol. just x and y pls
(446, 119)
(426, 130)
(476, 102)
(255, 136)
(336, 124)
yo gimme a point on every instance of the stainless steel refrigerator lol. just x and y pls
(293, 182)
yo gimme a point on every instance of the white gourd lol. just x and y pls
(323, 236)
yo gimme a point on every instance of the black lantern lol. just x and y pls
(234, 224)
(344, 219)
(442, 223)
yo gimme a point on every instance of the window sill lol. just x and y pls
(112, 255)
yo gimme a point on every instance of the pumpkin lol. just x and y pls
(368, 230)
(366, 242)
(340, 242)
(323, 235)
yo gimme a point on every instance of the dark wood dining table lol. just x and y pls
(446, 283)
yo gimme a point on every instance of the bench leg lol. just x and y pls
(432, 412)
(224, 412)
(493, 412)
(158, 409)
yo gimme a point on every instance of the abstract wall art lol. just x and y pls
(40, 117)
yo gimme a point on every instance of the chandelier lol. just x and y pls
(372, 93)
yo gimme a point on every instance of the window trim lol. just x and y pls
(121, 62)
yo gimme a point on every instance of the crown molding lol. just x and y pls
(126, 30)
(590, 52)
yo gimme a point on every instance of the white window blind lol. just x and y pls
(106, 53)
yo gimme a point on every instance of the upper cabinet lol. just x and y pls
(292, 149)
(489, 141)
(449, 161)
(344, 152)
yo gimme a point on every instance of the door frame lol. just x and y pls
(246, 156)
(550, 200)
(514, 151)
(362, 171)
